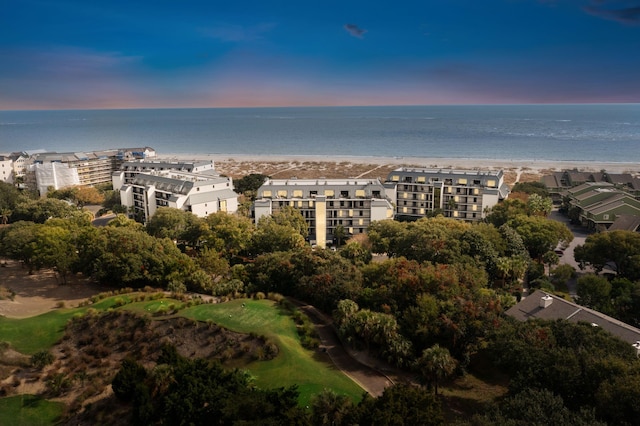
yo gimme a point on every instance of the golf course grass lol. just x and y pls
(29, 410)
(294, 364)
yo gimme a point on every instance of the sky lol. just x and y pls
(79, 54)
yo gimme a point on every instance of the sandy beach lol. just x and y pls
(313, 166)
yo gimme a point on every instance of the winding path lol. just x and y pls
(371, 379)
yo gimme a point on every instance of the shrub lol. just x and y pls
(41, 359)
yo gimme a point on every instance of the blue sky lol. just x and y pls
(66, 54)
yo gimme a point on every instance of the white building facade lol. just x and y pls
(199, 194)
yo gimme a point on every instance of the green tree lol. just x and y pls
(594, 292)
(538, 205)
(272, 236)
(329, 408)
(168, 222)
(435, 364)
(540, 234)
(618, 249)
(249, 185)
(229, 234)
(538, 188)
(400, 405)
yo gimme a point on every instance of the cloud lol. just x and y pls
(354, 30)
(626, 12)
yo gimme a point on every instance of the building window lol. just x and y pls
(605, 217)
(266, 193)
(462, 181)
(329, 192)
(282, 193)
(297, 193)
(360, 193)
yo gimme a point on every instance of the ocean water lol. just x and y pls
(594, 132)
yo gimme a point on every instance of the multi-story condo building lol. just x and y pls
(327, 204)
(91, 168)
(459, 194)
(200, 194)
(130, 169)
(6, 169)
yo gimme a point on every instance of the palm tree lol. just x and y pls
(435, 364)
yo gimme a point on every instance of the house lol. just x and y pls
(327, 204)
(460, 194)
(542, 305)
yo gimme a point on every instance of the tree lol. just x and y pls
(538, 188)
(271, 236)
(168, 222)
(290, 216)
(538, 205)
(87, 195)
(594, 292)
(329, 408)
(228, 234)
(400, 405)
(249, 185)
(618, 249)
(540, 234)
(435, 364)
(42, 209)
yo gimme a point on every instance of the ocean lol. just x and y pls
(576, 132)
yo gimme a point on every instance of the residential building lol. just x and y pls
(545, 306)
(91, 168)
(559, 182)
(327, 204)
(200, 194)
(459, 194)
(6, 169)
(130, 169)
(597, 205)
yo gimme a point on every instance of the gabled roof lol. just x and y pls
(559, 308)
(626, 222)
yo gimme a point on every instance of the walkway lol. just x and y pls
(370, 379)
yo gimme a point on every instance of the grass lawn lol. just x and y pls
(30, 335)
(29, 410)
(294, 364)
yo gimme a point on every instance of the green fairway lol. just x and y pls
(30, 335)
(294, 364)
(29, 410)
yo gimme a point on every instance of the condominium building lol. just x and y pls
(6, 169)
(459, 194)
(200, 194)
(91, 168)
(327, 204)
(130, 169)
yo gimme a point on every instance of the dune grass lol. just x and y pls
(29, 410)
(294, 364)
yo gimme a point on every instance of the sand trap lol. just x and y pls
(39, 293)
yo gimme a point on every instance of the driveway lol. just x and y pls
(579, 235)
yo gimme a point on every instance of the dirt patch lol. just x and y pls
(25, 295)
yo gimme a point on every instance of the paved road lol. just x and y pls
(372, 380)
(579, 235)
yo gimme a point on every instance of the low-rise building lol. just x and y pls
(327, 204)
(460, 194)
(545, 306)
(199, 194)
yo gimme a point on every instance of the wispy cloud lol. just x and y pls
(623, 11)
(354, 30)
(238, 33)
